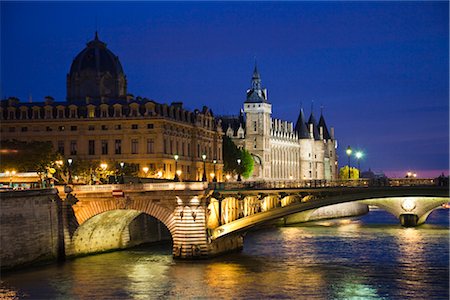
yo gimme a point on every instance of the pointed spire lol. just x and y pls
(255, 72)
(312, 120)
(300, 126)
(326, 134)
(96, 36)
(256, 94)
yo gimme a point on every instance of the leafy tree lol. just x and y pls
(230, 155)
(27, 156)
(343, 173)
(247, 164)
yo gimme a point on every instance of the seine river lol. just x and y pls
(368, 258)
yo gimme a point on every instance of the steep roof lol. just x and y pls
(312, 120)
(300, 126)
(326, 134)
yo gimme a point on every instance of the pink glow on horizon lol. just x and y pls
(420, 173)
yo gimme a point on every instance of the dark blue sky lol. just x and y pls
(380, 69)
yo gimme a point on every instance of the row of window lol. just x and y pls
(186, 149)
(75, 128)
(49, 113)
(73, 150)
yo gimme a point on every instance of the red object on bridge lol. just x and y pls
(118, 193)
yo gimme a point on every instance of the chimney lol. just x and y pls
(332, 133)
(311, 131)
(321, 132)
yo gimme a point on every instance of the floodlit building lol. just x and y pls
(280, 149)
(99, 121)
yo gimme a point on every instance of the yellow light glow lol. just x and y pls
(179, 172)
(159, 174)
(145, 169)
(104, 166)
(59, 162)
(212, 175)
(7, 172)
(13, 172)
(408, 205)
(228, 176)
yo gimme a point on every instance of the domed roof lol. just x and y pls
(96, 57)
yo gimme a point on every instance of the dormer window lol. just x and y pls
(61, 113)
(24, 115)
(48, 113)
(91, 112)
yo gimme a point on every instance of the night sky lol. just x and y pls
(379, 69)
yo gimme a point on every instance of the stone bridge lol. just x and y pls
(206, 220)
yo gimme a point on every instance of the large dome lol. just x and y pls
(96, 73)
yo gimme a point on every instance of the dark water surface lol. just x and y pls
(369, 258)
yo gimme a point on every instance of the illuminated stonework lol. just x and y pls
(282, 151)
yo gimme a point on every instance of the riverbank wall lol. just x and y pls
(30, 227)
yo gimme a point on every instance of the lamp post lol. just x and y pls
(145, 169)
(214, 164)
(239, 169)
(69, 161)
(349, 153)
(10, 174)
(358, 155)
(176, 178)
(204, 168)
(179, 174)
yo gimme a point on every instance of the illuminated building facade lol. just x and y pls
(100, 121)
(282, 151)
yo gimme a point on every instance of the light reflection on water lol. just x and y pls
(370, 258)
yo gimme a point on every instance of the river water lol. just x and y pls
(368, 258)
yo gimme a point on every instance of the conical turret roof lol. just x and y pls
(326, 134)
(300, 126)
(312, 120)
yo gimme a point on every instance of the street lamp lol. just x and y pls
(358, 155)
(204, 168)
(176, 178)
(145, 169)
(239, 169)
(179, 174)
(10, 174)
(69, 161)
(214, 177)
(349, 153)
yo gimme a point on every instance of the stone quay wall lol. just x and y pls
(30, 227)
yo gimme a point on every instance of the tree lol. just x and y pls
(343, 173)
(231, 154)
(27, 156)
(247, 164)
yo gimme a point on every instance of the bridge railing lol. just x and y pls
(320, 183)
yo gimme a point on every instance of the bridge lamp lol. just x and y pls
(359, 155)
(122, 164)
(349, 153)
(145, 169)
(239, 169)
(414, 175)
(214, 164)
(408, 205)
(176, 177)
(204, 168)
(408, 175)
(70, 161)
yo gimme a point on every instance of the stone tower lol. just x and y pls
(258, 113)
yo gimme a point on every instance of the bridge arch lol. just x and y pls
(117, 229)
(108, 224)
(88, 210)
